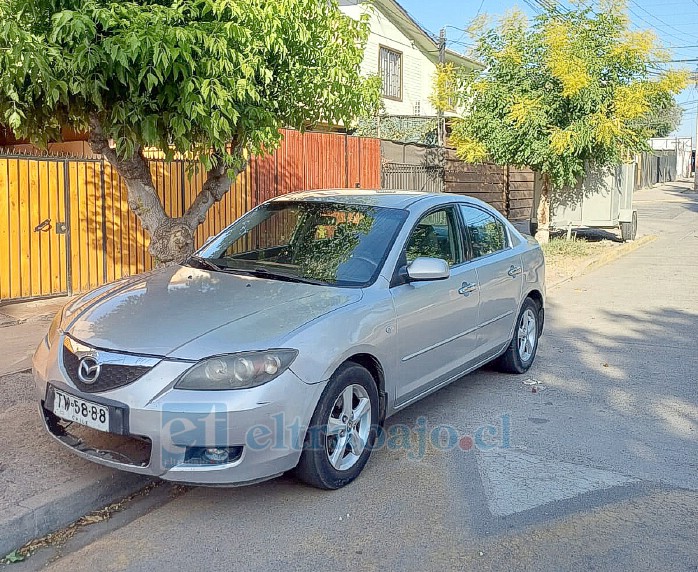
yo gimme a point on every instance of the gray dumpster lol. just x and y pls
(604, 199)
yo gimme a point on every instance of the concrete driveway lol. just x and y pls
(596, 466)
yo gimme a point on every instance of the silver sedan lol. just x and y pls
(288, 339)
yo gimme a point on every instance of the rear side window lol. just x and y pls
(486, 233)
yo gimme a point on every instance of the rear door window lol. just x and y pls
(486, 233)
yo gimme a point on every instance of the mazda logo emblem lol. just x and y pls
(88, 370)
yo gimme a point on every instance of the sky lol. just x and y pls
(674, 22)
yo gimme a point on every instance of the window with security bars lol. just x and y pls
(390, 68)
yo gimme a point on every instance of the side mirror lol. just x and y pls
(424, 268)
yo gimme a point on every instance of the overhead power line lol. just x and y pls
(658, 19)
(661, 23)
(682, 61)
(533, 6)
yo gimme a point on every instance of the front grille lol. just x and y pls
(110, 376)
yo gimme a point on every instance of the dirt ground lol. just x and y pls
(564, 258)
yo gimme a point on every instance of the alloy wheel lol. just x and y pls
(528, 331)
(348, 427)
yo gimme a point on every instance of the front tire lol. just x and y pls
(521, 352)
(342, 430)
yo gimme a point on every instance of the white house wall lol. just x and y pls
(417, 69)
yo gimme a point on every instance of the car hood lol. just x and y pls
(189, 313)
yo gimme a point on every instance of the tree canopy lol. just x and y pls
(559, 93)
(209, 79)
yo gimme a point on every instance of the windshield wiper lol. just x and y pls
(274, 275)
(199, 262)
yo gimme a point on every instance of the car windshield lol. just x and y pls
(306, 241)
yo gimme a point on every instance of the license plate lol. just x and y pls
(87, 413)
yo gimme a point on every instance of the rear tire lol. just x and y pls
(521, 352)
(342, 430)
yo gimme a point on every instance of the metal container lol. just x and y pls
(604, 199)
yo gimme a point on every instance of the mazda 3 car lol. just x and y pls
(286, 341)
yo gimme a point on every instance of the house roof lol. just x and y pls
(414, 31)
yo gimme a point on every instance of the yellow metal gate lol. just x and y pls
(34, 249)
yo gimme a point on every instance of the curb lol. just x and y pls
(56, 508)
(606, 258)
(22, 366)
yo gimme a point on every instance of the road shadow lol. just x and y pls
(620, 397)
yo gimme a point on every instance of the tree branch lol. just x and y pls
(143, 199)
(215, 187)
(134, 168)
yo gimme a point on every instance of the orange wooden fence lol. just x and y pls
(65, 225)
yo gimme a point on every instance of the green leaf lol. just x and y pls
(150, 133)
(14, 120)
(151, 81)
(14, 557)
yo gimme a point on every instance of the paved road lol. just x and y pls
(599, 469)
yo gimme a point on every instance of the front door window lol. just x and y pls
(435, 236)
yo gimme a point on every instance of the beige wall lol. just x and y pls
(417, 69)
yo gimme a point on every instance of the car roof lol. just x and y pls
(371, 197)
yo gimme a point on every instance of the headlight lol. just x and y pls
(237, 371)
(54, 328)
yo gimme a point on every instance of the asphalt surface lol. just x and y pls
(588, 462)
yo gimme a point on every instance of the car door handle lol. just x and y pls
(466, 288)
(514, 271)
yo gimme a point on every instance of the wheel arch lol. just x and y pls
(537, 296)
(375, 368)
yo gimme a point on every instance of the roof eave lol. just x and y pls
(412, 29)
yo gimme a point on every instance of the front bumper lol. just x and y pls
(264, 426)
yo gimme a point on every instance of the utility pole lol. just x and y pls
(441, 131)
(694, 157)
(695, 146)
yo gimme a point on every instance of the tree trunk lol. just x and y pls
(171, 238)
(543, 214)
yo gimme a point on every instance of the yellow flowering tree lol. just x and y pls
(557, 94)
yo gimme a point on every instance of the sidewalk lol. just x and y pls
(655, 206)
(660, 202)
(22, 326)
(43, 487)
